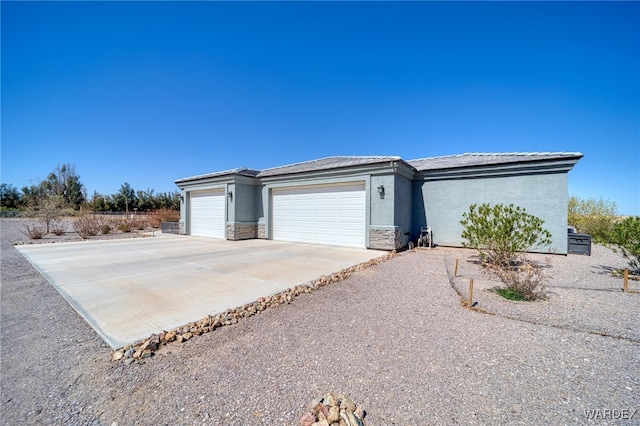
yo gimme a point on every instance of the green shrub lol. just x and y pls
(502, 235)
(626, 235)
(592, 216)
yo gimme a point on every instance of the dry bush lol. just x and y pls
(140, 223)
(106, 227)
(35, 232)
(87, 225)
(526, 281)
(58, 227)
(125, 225)
(163, 215)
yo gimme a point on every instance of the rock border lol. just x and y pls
(334, 410)
(143, 349)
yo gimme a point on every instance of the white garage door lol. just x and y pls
(321, 215)
(207, 213)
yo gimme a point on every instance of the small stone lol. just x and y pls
(360, 412)
(307, 419)
(321, 423)
(150, 345)
(334, 414)
(346, 403)
(187, 336)
(117, 355)
(179, 338)
(170, 336)
(146, 354)
(350, 419)
(330, 400)
(137, 354)
(129, 353)
(129, 361)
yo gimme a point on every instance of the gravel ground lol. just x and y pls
(393, 337)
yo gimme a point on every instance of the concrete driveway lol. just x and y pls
(128, 289)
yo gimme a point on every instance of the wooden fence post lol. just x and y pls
(470, 301)
(626, 281)
(455, 270)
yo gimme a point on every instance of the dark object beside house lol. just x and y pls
(170, 227)
(579, 244)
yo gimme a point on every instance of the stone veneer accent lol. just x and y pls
(262, 230)
(242, 231)
(386, 238)
(181, 228)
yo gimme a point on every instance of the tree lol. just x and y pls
(50, 210)
(33, 195)
(592, 216)
(9, 196)
(626, 235)
(126, 198)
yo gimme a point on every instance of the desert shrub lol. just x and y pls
(126, 225)
(49, 210)
(105, 228)
(35, 232)
(526, 281)
(592, 216)
(58, 227)
(163, 215)
(139, 223)
(502, 235)
(626, 235)
(87, 225)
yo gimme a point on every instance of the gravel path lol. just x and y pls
(393, 337)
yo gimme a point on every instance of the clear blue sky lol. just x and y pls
(147, 92)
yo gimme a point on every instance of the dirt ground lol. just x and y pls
(393, 337)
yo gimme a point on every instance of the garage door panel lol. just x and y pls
(323, 215)
(208, 214)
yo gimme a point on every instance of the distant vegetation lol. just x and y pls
(600, 219)
(63, 189)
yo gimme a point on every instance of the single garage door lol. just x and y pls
(207, 213)
(332, 215)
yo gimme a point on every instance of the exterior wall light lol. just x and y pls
(230, 195)
(381, 191)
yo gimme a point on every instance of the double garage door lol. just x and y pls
(332, 215)
(207, 213)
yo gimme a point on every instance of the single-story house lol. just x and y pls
(378, 202)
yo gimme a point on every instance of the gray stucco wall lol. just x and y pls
(382, 209)
(244, 199)
(403, 203)
(441, 203)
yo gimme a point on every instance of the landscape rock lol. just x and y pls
(333, 409)
(117, 355)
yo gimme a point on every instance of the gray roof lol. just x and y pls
(482, 159)
(242, 171)
(421, 164)
(326, 163)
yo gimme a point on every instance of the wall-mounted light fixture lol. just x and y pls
(180, 197)
(381, 191)
(230, 195)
